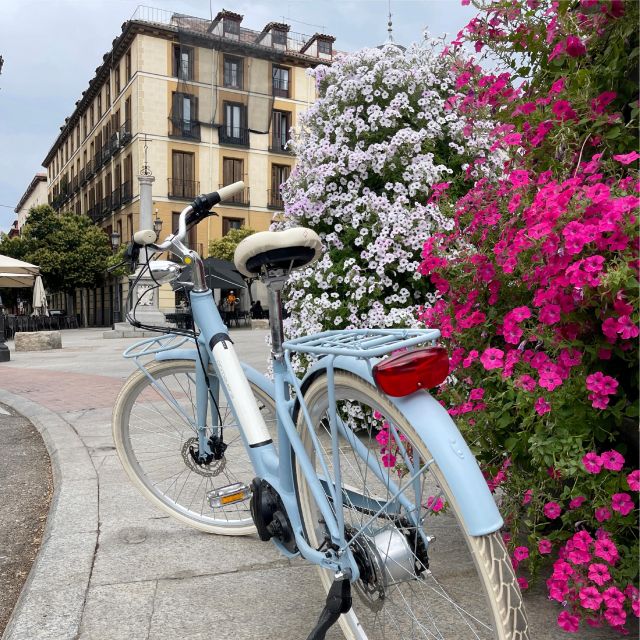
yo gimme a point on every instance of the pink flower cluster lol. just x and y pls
(582, 582)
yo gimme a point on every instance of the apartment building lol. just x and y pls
(35, 195)
(200, 104)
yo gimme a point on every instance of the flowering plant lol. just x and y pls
(374, 152)
(537, 293)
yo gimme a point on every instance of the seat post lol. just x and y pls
(274, 287)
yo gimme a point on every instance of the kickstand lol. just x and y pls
(338, 601)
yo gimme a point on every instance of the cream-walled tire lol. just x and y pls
(152, 440)
(469, 590)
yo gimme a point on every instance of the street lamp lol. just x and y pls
(115, 245)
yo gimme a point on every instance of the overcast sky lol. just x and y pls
(51, 49)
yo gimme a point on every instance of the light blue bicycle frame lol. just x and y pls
(428, 417)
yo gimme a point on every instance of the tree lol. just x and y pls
(225, 246)
(70, 250)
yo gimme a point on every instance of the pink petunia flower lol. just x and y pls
(616, 617)
(622, 503)
(602, 514)
(492, 358)
(528, 495)
(633, 480)
(576, 502)
(592, 462)
(606, 549)
(612, 460)
(552, 510)
(476, 394)
(544, 546)
(519, 178)
(568, 623)
(542, 406)
(558, 86)
(521, 553)
(599, 573)
(388, 460)
(590, 598)
(435, 504)
(627, 158)
(575, 47)
(527, 382)
(613, 597)
(549, 314)
(523, 583)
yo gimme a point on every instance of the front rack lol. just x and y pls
(361, 343)
(151, 346)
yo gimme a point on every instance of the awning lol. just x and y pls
(16, 273)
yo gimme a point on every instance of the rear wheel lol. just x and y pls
(420, 577)
(154, 429)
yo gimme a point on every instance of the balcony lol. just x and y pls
(274, 200)
(82, 177)
(114, 143)
(115, 198)
(125, 133)
(236, 136)
(90, 169)
(279, 146)
(95, 213)
(240, 199)
(125, 192)
(105, 205)
(280, 88)
(75, 184)
(189, 129)
(183, 189)
(106, 153)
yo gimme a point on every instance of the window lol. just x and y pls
(127, 114)
(231, 223)
(233, 68)
(107, 91)
(324, 47)
(116, 78)
(231, 28)
(99, 105)
(279, 174)
(279, 37)
(84, 126)
(280, 81)
(233, 171)
(92, 119)
(127, 65)
(78, 137)
(182, 62)
(280, 130)
(182, 183)
(233, 130)
(184, 116)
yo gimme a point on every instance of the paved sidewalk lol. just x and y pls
(111, 566)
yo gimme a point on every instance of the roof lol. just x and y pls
(39, 177)
(314, 37)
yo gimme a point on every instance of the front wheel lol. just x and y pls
(154, 430)
(421, 574)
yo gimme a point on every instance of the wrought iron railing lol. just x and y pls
(183, 189)
(180, 128)
(274, 199)
(234, 135)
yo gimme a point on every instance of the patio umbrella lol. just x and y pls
(15, 273)
(40, 307)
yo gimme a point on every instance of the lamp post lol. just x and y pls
(115, 245)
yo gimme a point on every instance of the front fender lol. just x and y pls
(445, 443)
(263, 383)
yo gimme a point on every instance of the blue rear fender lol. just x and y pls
(445, 443)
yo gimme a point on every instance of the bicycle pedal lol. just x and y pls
(229, 494)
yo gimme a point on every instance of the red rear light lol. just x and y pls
(407, 372)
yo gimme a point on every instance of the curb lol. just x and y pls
(52, 599)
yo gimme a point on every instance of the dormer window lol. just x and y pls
(279, 37)
(231, 28)
(324, 46)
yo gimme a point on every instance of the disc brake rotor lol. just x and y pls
(214, 468)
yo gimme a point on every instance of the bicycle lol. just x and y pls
(355, 467)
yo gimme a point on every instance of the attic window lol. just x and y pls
(324, 46)
(231, 27)
(279, 36)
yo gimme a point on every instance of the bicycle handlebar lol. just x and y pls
(198, 210)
